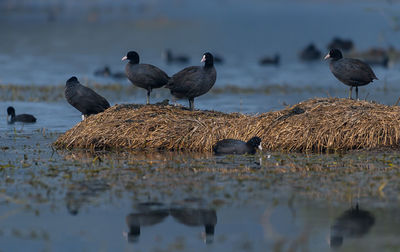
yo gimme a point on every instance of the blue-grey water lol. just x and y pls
(52, 200)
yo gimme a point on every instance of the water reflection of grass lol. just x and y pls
(222, 180)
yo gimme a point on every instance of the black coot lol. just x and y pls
(233, 146)
(84, 99)
(310, 53)
(194, 81)
(270, 60)
(170, 58)
(144, 75)
(352, 72)
(25, 118)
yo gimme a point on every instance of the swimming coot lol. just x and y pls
(270, 60)
(352, 72)
(144, 75)
(310, 53)
(103, 72)
(84, 99)
(24, 118)
(233, 146)
(170, 58)
(341, 44)
(194, 81)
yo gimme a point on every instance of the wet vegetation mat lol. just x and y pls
(315, 125)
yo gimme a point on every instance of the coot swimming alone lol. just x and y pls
(233, 146)
(352, 72)
(144, 75)
(84, 99)
(194, 81)
(24, 118)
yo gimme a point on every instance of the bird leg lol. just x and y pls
(191, 104)
(148, 96)
(356, 92)
(351, 90)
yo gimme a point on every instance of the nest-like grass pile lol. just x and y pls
(318, 125)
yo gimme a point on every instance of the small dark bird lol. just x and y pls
(194, 81)
(144, 75)
(233, 146)
(310, 53)
(84, 99)
(270, 60)
(170, 58)
(352, 72)
(24, 118)
(341, 44)
(103, 72)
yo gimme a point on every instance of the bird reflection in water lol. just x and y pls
(84, 192)
(193, 212)
(353, 223)
(146, 214)
(190, 212)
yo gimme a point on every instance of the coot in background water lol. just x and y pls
(194, 81)
(352, 72)
(310, 53)
(341, 44)
(270, 60)
(103, 72)
(25, 118)
(171, 58)
(234, 146)
(84, 99)
(144, 75)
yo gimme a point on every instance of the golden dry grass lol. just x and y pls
(323, 124)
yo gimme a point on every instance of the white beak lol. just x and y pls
(203, 59)
(327, 56)
(260, 147)
(124, 58)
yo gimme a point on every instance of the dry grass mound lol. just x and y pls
(324, 124)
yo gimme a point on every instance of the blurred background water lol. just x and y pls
(43, 43)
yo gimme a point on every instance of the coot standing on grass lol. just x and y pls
(144, 75)
(84, 99)
(24, 118)
(194, 81)
(233, 146)
(352, 72)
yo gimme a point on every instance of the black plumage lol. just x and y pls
(233, 146)
(194, 81)
(84, 99)
(144, 75)
(352, 72)
(24, 118)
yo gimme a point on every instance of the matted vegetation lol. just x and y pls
(322, 124)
